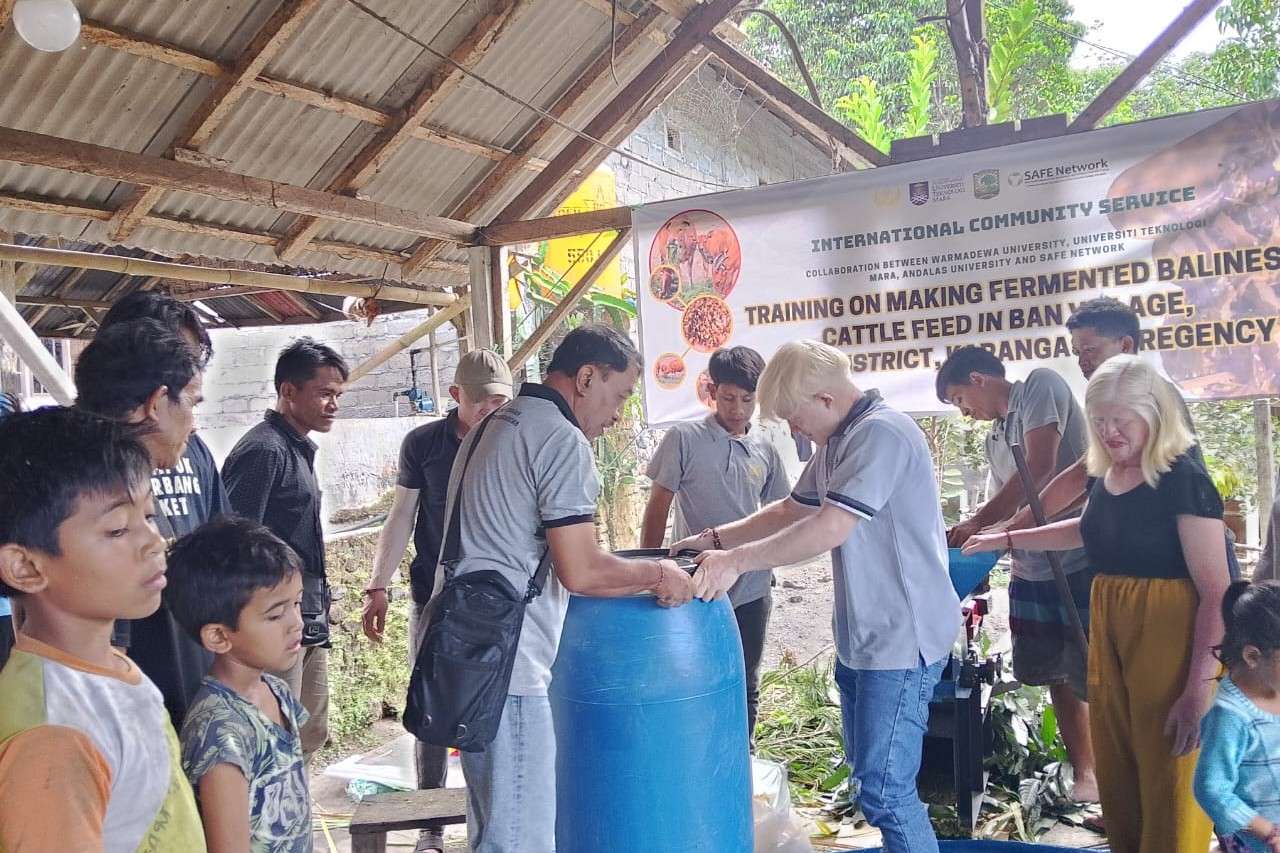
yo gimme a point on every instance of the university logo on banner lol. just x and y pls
(918, 192)
(986, 183)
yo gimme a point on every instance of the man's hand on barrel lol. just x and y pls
(985, 542)
(697, 542)
(674, 586)
(958, 535)
(717, 570)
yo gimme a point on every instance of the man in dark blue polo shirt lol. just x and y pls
(481, 384)
(271, 478)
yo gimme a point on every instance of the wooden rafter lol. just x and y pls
(689, 35)
(214, 275)
(344, 250)
(146, 47)
(63, 302)
(567, 184)
(440, 84)
(1128, 79)
(500, 177)
(36, 149)
(853, 149)
(227, 92)
(552, 227)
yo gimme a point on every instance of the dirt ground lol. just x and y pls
(800, 624)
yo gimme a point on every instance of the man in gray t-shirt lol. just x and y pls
(529, 488)
(717, 470)
(1040, 415)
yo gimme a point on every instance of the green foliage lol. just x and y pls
(1249, 60)
(1029, 73)
(922, 71)
(1009, 53)
(799, 727)
(863, 108)
(366, 679)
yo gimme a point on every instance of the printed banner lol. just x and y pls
(899, 265)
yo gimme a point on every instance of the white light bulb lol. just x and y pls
(48, 25)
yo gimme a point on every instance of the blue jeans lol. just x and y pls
(885, 715)
(511, 786)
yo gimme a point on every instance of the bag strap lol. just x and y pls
(453, 535)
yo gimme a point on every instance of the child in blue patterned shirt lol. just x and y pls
(237, 589)
(1237, 779)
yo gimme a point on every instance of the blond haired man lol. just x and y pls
(869, 496)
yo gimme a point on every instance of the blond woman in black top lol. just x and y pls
(1152, 528)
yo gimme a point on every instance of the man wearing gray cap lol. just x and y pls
(481, 383)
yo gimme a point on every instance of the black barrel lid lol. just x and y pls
(683, 559)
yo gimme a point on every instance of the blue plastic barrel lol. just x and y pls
(651, 729)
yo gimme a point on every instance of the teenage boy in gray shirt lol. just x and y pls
(870, 497)
(531, 487)
(718, 470)
(1044, 418)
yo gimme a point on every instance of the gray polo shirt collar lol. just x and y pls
(869, 400)
(542, 392)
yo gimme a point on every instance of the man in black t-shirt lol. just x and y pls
(186, 495)
(482, 383)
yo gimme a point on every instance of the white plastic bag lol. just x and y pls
(777, 830)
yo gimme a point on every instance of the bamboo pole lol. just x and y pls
(16, 333)
(544, 331)
(216, 275)
(408, 339)
(1264, 447)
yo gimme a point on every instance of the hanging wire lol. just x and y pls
(526, 104)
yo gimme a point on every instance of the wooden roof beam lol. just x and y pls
(37, 149)
(227, 92)
(853, 149)
(499, 178)
(441, 83)
(689, 35)
(1128, 79)
(84, 210)
(554, 227)
(571, 179)
(145, 47)
(216, 275)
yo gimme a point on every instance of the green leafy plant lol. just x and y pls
(863, 108)
(1226, 479)
(1009, 52)
(922, 71)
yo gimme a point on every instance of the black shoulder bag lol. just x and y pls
(460, 679)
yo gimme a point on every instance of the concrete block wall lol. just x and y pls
(238, 385)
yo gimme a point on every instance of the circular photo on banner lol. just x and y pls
(703, 250)
(707, 323)
(664, 283)
(669, 370)
(703, 390)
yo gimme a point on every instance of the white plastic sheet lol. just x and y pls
(777, 830)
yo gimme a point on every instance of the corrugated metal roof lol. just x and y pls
(113, 98)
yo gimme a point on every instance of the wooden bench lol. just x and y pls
(375, 816)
